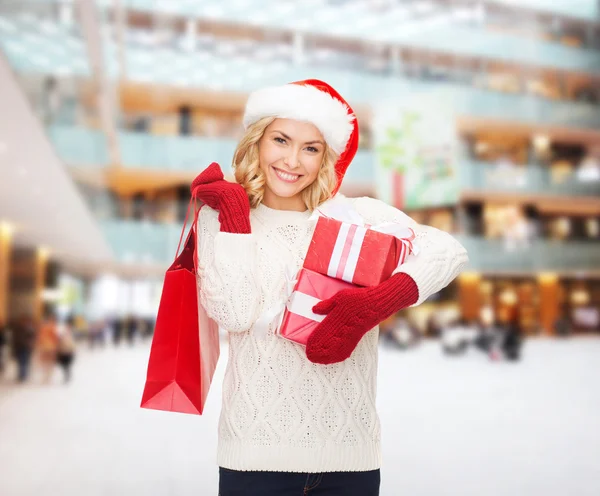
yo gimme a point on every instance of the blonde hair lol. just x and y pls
(249, 174)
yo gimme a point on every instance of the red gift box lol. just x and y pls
(360, 255)
(299, 321)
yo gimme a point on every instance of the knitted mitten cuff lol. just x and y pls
(229, 199)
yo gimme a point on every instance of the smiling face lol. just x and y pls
(290, 156)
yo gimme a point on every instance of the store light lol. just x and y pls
(580, 297)
(52, 294)
(43, 252)
(563, 227)
(6, 230)
(469, 276)
(482, 147)
(508, 297)
(486, 315)
(541, 142)
(547, 277)
(592, 227)
(486, 288)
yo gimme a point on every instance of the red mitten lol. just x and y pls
(351, 313)
(230, 199)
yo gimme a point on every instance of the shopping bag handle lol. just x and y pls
(192, 229)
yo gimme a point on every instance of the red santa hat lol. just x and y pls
(311, 101)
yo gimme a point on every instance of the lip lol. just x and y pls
(285, 172)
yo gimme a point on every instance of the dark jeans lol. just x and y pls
(23, 360)
(236, 483)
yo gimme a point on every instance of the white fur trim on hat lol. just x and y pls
(303, 103)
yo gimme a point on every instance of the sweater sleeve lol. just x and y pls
(227, 275)
(440, 257)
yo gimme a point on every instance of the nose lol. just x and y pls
(291, 160)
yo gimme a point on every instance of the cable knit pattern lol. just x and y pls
(280, 412)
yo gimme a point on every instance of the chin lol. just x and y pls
(285, 192)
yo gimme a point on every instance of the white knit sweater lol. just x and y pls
(280, 412)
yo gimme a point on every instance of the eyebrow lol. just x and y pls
(306, 143)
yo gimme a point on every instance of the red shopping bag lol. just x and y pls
(185, 346)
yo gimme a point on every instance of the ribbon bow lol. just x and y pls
(339, 208)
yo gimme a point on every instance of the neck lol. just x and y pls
(295, 203)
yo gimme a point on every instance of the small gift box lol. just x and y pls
(346, 248)
(299, 321)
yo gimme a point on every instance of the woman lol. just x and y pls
(66, 348)
(299, 420)
(47, 345)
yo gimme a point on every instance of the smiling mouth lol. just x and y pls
(286, 176)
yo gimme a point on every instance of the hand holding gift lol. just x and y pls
(351, 313)
(327, 312)
(299, 319)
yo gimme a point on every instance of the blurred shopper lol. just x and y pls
(457, 337)
(433, 327)
(385, 328)
(299, 140)
(66, 348)
(488, 332)
(23, 343)
(52, 100)
(3, 343)
(131, 328)
(562, 326)
(149, 325)
(97, 333)
(512, 342)
(118, 330)
(402, 335)
(47, 346)
(81, 328)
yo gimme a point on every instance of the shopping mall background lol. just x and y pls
(481, 118)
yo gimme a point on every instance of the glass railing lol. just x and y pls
(180, 153)
(510, 48)
(538, 255)
(147, 242)
(459, 30)
(80, 146)
(87, 148)
(142, 242)
(584, 9)
(369, 89)
(62, 56)
(522, 179)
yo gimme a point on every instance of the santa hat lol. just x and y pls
(312, 101)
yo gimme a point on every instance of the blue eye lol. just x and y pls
(312, 149)
(280, 140)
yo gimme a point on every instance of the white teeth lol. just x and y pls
(286, 176)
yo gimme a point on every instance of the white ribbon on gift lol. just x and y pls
(346, 251)
(274, 314)
(302, 304)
